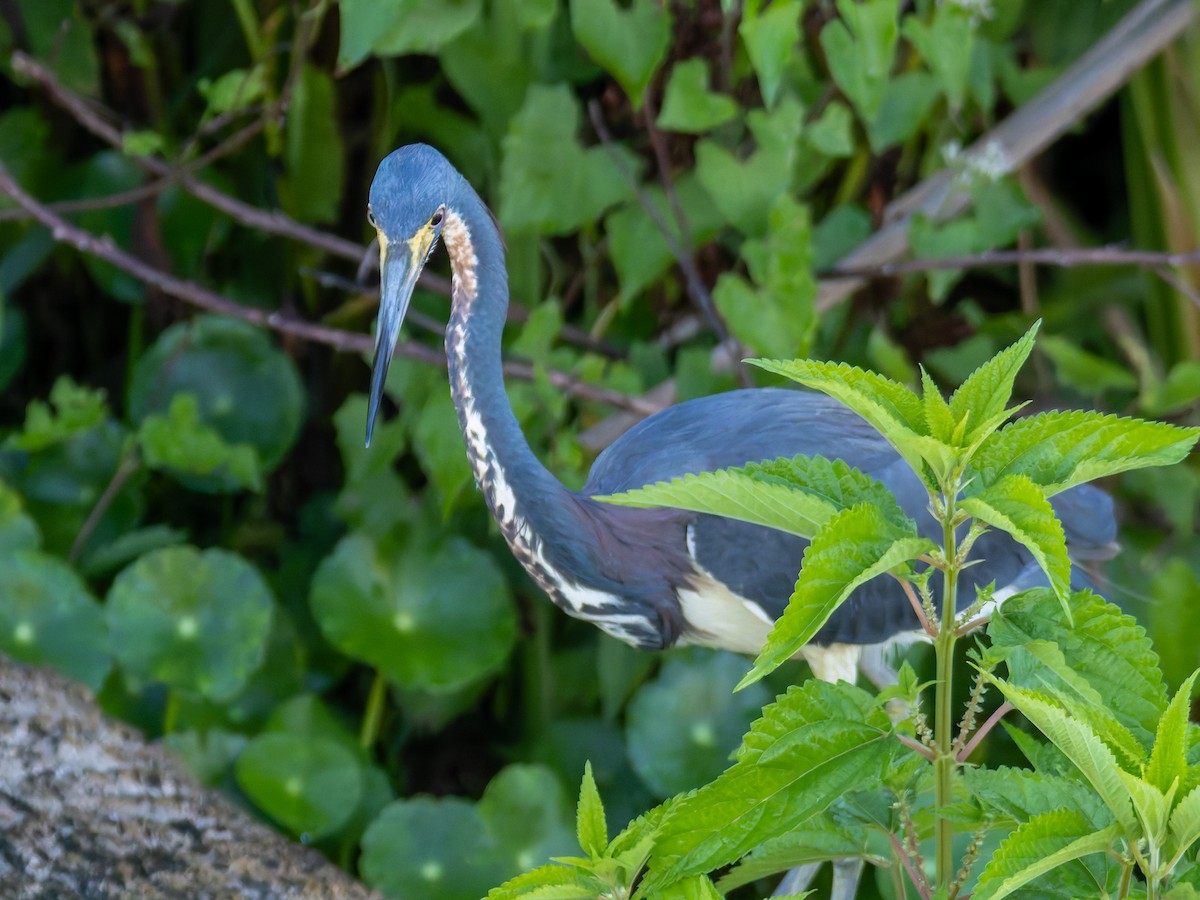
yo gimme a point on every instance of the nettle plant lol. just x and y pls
(1109, 808)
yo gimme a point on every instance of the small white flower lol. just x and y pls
(979, 9)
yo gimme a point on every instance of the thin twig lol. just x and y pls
(1065, 258)
(126, 467)
(694, 284)
(1002, 710)
(197, 295)
(916, 745)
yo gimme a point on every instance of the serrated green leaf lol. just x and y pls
(1168, 759)
(797, 495)
(549, 882)
(1017, 506)
(818, 840)
(1022, 794)
(1103, 645)
(981, 401)
(1041, 665)
(628, 41)
(1151, 806)
(1082, 746)
(896, 412)
(1184, 824)
(855, 546)
(1042, 844)
(1058, 450)
(591, 828)
(688, 105)
(770, 32)
(938, 418)
(697, 887)
(751, 802)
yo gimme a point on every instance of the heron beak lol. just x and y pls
(399, 268)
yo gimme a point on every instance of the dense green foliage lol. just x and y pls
(190, 525)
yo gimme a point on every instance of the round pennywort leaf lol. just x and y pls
(434, 617)
(682, 727)
(193, 621)
(47, 617)
(311, 786)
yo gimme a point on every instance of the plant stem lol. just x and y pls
(943, 724)
(369, 733)
(171, 712)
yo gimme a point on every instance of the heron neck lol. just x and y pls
(518, 488)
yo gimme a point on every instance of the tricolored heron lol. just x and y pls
(654, 578)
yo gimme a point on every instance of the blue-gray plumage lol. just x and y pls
(658, 577)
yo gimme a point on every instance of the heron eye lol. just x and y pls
(436, 221)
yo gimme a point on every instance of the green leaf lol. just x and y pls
(778, 317)
(551, 882)
(525, 811)
(72, 410)
(688, 105)
(314, 156)
(818, 840)
(745, 190)
(854, 546)
(1184, 824)
(397, 27)
(60, 34)
(234, 90)
(682, 727)
(248, 390)
(17, 530)
(770, 33)
(860, 47)
(1016, 505)
(908, 99)
(1168, 760)
(1018, 795)
(543, 163)
(1042, 844)
(628, 40)
(434, 617)
(193, 621)
(758, 799)
(1150, 805)
(1087, 372)
(1058, 450)
(640, 252)
(981, 402)
(696, 888)
(1041, 666)
(1082, 746)
(591, 828)
(48, 618)
(1101, 643)
(945, 44)
(892, 409)
(437, 441)
(832, 134)
(430, 848)
(310, 785)
(797, 495)
(179, 443)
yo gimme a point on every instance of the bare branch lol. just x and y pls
(197, 295)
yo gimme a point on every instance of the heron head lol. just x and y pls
(407, 208)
